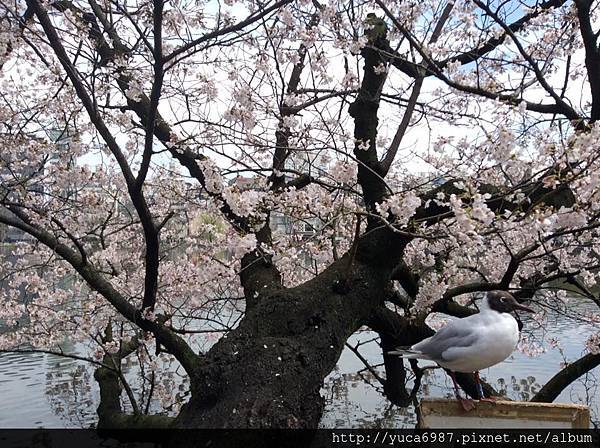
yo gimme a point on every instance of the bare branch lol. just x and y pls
(566, 109)
(414, 96)
(226, 30)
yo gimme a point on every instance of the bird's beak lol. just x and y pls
(523, 308)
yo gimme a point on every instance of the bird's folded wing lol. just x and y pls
(453, 335)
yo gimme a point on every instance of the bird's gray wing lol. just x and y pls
(451, 336)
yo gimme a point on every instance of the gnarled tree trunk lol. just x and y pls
(268, 372)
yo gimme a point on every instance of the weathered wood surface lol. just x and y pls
(444, 413)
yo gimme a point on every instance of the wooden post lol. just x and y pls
(444, 413)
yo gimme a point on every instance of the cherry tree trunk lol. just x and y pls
(268, 372)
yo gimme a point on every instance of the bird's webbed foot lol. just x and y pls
(467, 404)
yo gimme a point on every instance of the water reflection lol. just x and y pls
(40, 390)
(70, 392)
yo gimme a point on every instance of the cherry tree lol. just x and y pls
(239, 186)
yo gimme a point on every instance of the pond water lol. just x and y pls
(40, 390)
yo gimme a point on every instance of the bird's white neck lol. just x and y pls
(485, 306)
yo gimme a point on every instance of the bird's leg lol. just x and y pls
(479, 386)
(466, 403)
(456, 389)
(482, 397)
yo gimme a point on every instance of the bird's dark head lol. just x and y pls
(504, 302)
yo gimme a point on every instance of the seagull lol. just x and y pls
(472, 343)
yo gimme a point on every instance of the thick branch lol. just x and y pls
(535, 193)
(364, 111)
(566, 376)
(407, 279)
(282, 135)
(151, 231)
(135, 192)
(592, 54)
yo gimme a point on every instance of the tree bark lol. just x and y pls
(267, 373)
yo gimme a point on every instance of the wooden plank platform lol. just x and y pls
(445, 413)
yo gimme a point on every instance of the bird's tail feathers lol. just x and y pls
(407, 353)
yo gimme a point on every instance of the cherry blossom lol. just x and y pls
(173, 175)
